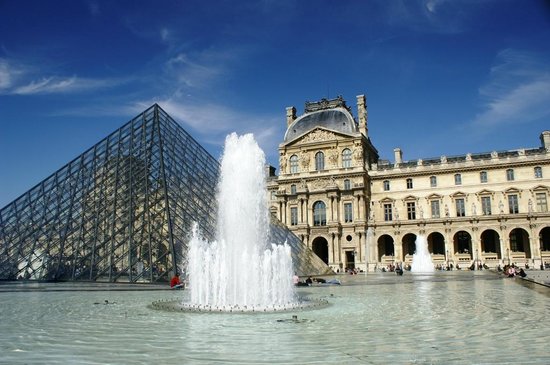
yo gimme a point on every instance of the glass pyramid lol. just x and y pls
(122, 211)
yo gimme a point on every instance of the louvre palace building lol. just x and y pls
(357, 211)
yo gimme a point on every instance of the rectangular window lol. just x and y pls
(411, 210)
(435, 208)
(460, 208)
(347, 184)
(433, 181)
(538, 172)
(348, 212)
(510, 175)
(486, 205)
(542, 206)
(293, 216)
(409, 183)
(292, 189)
(388, 214)
(458, 179)
(319, 161)
(483, 176)
(386, 185)
(293, 164)
(513, 204)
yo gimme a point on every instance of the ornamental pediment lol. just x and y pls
(318, 135)
(434, 197)
(485, 192)
(540, 188)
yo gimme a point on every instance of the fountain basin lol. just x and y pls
(299, 305)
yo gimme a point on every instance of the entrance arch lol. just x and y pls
(385, 248)
(436, 243)
(409, 245)
(490, 242)
(462, 242)
(544, 240)
(519, 242)
(320, 248)
(544, 237)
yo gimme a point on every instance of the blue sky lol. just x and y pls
(441, 77)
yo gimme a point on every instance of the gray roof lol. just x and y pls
(337, 119)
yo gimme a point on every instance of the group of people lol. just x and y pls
(512, 271)
(310, 281)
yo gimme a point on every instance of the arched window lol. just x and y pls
(409, 183)
(319, 161)
(346, 157)
(386, 185)
(293, 164)
(319, 214)
(347, 184)
(292, 189)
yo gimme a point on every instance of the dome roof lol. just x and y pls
(337, 119)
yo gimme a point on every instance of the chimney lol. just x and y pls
(545, 140)
(290, 115)
(398, 154)
(362, 114)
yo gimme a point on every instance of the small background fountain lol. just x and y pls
(422, 260)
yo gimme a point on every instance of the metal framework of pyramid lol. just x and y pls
(122, 211)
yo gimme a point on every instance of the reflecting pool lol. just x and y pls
(442, 318)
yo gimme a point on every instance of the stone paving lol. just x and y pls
(539, 276)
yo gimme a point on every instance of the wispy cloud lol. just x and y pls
(25, 80)
(8, 74)
(428, 16)
(193, 73)
(51, 85)
(214, 121)
(518, 91)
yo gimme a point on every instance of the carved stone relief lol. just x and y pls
(304, 160)
(318, 135)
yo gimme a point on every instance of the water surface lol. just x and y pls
(444, 318)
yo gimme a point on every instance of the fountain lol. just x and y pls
(422, 260)
(240, 271)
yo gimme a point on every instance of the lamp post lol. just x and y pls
(477, 260)
(447, 258)
(508, 254)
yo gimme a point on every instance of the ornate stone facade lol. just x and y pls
(479, 208)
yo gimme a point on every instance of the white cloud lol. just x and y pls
(25, 79)
(518, 91)
(210, 123)
(8, 74)
(200, 70)
(165, 34)
(51, 85)
(430, 16)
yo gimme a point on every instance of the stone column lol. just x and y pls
(361, 248)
